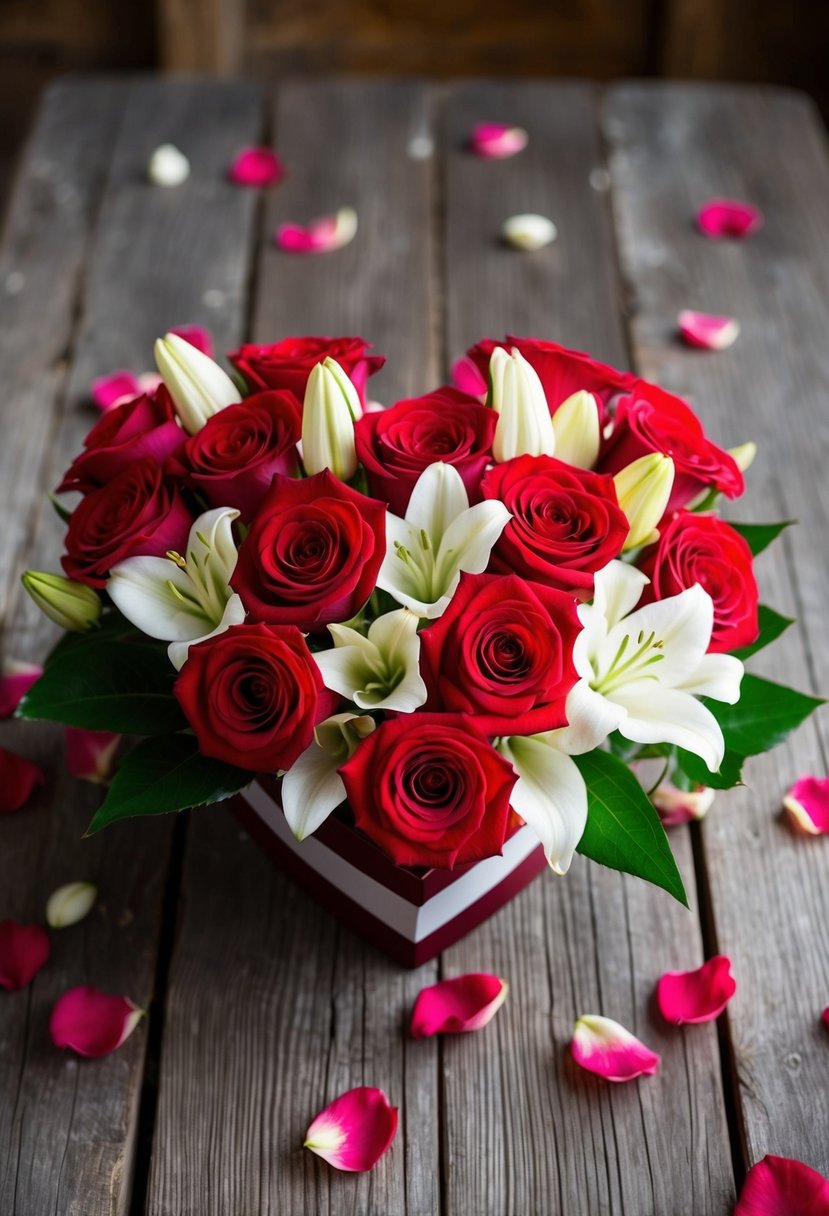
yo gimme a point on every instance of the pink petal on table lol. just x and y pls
(467, 378)
(15, 682)
(676, 806)
(92, 1023)
(322, 235)
(696, 996)
(18, 778)
(467, 1002)
(150, 381)
(197, 336)
(355, 1130)
(808, 805)
(778, 1186)
(727, 217)
(497, 140)
(109, 391)
(90, 754)
(708, 331)
(603, 1046)
(256, 167)
(23, 951)
(824, 1017)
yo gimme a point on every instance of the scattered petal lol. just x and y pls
(725, 217)
(696, 996)
(168, 166)
(197, 336)
(468, 378)
(109, 391)
(92, 1023)
(18, 778)
(778, 1186)
(497, 140)
(256, 167)
(322, 235)
(355, 1130)
(808, 804)
(23, 951)
(467, 1002)
(529, 232)
(70, 904)
(16, 680)
(603, 1046)
(90, 754)
(824, 1017)
(676, 806)
(708, 331)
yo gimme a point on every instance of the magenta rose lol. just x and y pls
(288, 364)
(142, 429)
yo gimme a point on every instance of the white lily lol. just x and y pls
(312, 788)
(178, 599)
(576, 427)
(196, 383)
(380, 671)
(525, 427)
(550, 794)
(440, 536)
(331, 408)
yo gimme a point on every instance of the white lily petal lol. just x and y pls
(469, 541)
(590, 719)
(343, 670)
(717, 676)
(550, 796)
(576, 426)
(234, 614)
(682, 623)
(405, 698)
(668, 715)
(311, 789)
(344, 635)
(145, 590)
(438, 498)
(618, 587)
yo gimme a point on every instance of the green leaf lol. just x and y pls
(623, 829)
(120, 686)
(167, 774)
(63, 511)
(730, 774)
(764, 715)
(111, 626)
(760, 536)
(772, 625)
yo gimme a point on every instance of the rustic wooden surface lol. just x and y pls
(262, 1008)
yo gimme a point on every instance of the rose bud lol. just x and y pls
(524, 424)
(198, 386)
(743, 455)
(329, 412)
(643, 489)
(73, 606)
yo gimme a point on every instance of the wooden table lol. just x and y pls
(261, 1007)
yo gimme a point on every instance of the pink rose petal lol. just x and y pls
(808, 805)
(15, 682)
(497, 140)
(148, 382)
(18, 778)
(109, 391)
(676, 806)
(467, 1002)
(256, 167)
(708, 331)
(90, 754)
(825, 1017)
(467, 378)
(23, 951)
(197, 336)
(355, 1130)
(603, 1046)
(726, 217)
(322, 235)
(778, 1186)
(92, 1023)
(696, 996)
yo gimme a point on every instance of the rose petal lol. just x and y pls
(778, 1186)
(90, 754)
(726, 217)
(92, 1023)
(825, 1017)
(322, 235)
(497, 140)
(676, 806)
(467, 1002)
(18, 778)
(603, 1046)
(808, 804)
(528, 232)
(15, 682)
(23, 951)
(197, 336)
(109, 391)
(708, 331)
(696, 996)
(468, 378)
(355, 1130)
(256, 167)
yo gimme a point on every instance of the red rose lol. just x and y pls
(651, 420)
(139, 512)
(430, 790)
(288, 364)
(312, 554)
(144, 428)
(234, 457)
(395, 445)
(705, 549)
(253, 696)
(503, 651)
(566, 522)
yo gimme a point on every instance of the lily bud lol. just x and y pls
(70, 904)
(198, 386)
(73, 606)
(576, 426)
(643, 490)
(331, 408)
(743, 455)
(525, 427)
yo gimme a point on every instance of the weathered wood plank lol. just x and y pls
(273, 1009)
(551, 1138)
(673, 147)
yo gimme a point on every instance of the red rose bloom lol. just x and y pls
(139, 512)
(141, 429)
(566, 522)
(651, 420)
(312, 554)
(394, 446)
(503, 652)
(705, 549)
(253, 696)
(288, 364)
(234, 457)
(430, 790)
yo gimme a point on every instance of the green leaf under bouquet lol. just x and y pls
(771, 625)
(760, 536)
